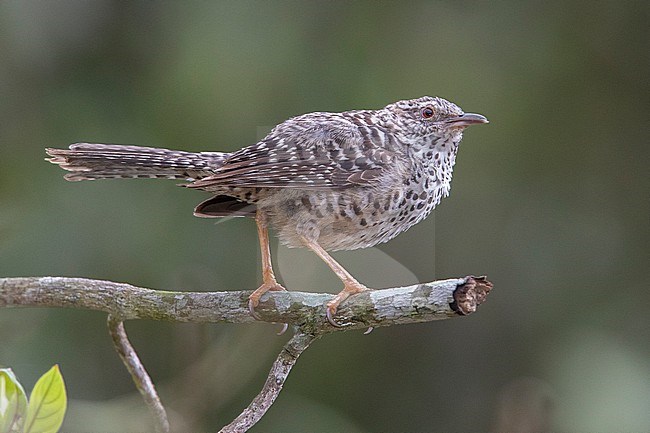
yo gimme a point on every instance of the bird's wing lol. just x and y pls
(310, 151)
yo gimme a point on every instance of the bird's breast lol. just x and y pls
(351, 218)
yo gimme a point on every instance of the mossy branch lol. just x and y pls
(424, 302)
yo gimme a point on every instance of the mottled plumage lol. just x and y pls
(339, 181)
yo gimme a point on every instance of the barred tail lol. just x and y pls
(88, 161)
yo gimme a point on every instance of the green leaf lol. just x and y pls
(13, 402)
(47, 404)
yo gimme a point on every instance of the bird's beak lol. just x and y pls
(466, 119)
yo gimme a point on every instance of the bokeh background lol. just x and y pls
(551, 201)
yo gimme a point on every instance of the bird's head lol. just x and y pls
(430, 116)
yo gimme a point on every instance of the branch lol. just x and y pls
(138, 373)
(306, 311)
(425, 302)
(273, 385)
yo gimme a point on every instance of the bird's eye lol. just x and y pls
(427, 112)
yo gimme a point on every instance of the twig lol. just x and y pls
(138, 373)
(273, 385)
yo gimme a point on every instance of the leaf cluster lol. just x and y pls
(45, 410)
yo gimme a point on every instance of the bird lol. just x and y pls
(325, 181)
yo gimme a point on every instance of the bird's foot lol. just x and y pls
(254, 298)
(333, 305)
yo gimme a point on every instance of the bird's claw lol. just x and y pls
(285, 326)
(254, 301)
(333, 305)
(251, 308)
(329, 312)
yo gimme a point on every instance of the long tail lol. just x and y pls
(88, 161)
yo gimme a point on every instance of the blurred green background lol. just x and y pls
(550, 201)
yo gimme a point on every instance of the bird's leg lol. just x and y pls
(268, 277)
(350, 285)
